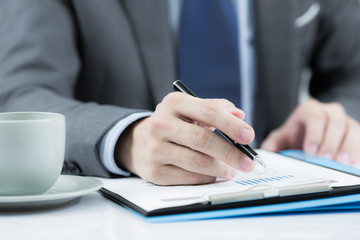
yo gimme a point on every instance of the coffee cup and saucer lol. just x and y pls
(32, 149)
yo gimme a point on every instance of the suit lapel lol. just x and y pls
(276, 63)
(150, 26)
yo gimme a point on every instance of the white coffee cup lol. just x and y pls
(32, 148)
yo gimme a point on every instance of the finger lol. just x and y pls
(218, 113)
(194, 161)
(237, 113)
(334, 130)
(209, 143)
(204, 125)
(349, 150)
(315, 125)
(172, 175)
(275, 141)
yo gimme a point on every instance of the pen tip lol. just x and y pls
(258, 159)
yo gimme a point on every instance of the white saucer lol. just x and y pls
(64, 190)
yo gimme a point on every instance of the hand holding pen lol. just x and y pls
(181, 87)
(172, 146)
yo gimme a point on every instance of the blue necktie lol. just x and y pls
(208, 49)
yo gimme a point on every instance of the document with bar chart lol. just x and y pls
(283, 177)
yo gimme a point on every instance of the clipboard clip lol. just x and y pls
(263, 191)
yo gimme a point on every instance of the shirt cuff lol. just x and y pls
(107, 147)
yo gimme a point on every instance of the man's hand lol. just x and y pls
(176, 145)
(319, 128)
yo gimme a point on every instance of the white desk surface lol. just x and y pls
(95, 217)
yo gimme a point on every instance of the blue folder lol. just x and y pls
(345, 198)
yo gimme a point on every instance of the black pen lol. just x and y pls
(181, 87)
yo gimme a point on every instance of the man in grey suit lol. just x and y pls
(99, 62)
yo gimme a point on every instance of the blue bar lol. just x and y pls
(248, 182)
(255, 180)
(240, 183)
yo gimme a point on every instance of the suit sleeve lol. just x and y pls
(39, 65)
(336, 60)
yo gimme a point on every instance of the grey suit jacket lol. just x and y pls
(99, 61)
